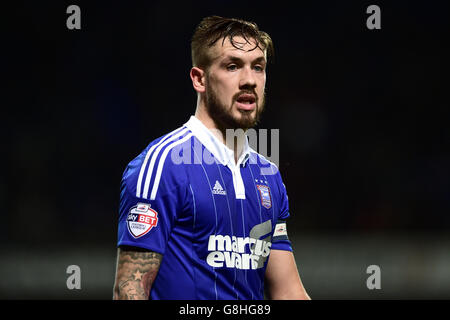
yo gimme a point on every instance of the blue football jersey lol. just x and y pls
(214, 221)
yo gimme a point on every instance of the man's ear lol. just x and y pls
(198, 79)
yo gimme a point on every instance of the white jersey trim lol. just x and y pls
(144, 164)
(161, 165)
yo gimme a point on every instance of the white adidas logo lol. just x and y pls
(218, 189)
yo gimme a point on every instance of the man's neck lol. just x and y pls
(236, 144)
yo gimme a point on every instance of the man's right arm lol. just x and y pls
(136, 271)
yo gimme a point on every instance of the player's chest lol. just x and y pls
(220, 203)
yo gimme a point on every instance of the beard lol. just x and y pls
(223, 114)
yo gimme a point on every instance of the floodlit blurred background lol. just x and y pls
(364, 137)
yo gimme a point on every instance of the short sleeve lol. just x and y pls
(146, 221)
(280, 240)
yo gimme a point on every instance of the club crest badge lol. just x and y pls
(141, 219)
(264, 193)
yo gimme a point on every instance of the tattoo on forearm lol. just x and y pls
(136, 272)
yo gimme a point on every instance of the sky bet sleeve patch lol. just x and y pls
(141, 219)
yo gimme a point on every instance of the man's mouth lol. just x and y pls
(246, 102)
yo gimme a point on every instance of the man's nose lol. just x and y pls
(247, 78)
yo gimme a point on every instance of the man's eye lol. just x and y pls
(231, 67)
(258, 68)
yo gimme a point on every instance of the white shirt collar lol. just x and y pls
(218, 149)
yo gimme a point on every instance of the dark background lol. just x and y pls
(363, 118)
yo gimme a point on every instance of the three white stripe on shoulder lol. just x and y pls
(152, 155)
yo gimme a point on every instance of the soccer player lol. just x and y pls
(203, 216)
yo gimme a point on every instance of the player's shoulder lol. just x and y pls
(156, 166)
(266, 167)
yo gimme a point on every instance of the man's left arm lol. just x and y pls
(282, 279)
